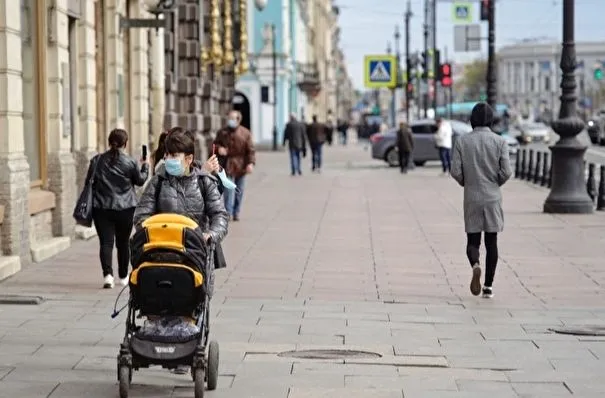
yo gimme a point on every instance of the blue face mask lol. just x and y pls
(174, 167)
(227, 183)
(232, 123)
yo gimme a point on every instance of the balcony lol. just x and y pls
(308, 79)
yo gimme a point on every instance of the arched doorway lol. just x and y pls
(242, 104)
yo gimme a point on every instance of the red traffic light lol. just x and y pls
(446, 70)
(446, 81)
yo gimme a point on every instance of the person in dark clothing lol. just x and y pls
(329, 126)
(114, 201)
(343, 126)
(316, 133)
(158, 154)
(405, 146)
(294, 134)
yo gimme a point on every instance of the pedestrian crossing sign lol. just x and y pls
(380, 71)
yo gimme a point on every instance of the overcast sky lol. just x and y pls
(366, 28)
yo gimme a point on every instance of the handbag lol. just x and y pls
(83, 210)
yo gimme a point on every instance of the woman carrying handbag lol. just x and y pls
(109, 199)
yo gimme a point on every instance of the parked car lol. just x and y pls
(533, 132)
(595, 130)
(513, 144)
(384, 145)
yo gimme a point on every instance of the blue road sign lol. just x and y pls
(380, 71)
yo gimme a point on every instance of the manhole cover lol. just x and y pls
(329, 354)
(581, 330)
(22, 300)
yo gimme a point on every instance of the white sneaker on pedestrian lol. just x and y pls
(123, 281)
(488, 292)
(108, 282)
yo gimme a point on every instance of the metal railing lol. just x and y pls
(535, 166)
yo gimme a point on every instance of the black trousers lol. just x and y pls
(404, 159)
(473, 243)
(114, 227)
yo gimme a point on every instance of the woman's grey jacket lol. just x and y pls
(480, 163)
(196, 196)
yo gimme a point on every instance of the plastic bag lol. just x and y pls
(176, 327)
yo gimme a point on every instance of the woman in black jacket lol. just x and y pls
(114, 202)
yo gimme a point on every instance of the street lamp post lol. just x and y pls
(397, 36)
(568, 193)
(260, 6)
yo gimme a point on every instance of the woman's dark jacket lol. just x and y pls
(116, 175)
(196, 196)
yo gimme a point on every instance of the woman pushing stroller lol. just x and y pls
(185, 187)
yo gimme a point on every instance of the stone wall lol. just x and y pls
(195, 100)
(14, 168)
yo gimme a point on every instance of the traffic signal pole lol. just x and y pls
(425, 65)
(408, 62)
(435, 64)
(491, 77)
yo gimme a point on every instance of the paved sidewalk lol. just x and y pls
(359, 257)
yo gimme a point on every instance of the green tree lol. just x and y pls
(473, 83)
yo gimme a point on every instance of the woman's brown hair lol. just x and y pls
(117, 140)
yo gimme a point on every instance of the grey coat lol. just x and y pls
(481, 165)
(182, 195)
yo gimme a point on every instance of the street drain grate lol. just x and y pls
(580, 330)
(20, 300)
(328, 354)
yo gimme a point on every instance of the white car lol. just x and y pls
(534, 132)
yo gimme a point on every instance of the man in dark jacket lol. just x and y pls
(294, 134)
(316, 132)
(405, 146)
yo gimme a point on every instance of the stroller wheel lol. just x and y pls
(124, 377)
(199, 382)
(213, 360)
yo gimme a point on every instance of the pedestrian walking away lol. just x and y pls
(443, 141)
(295, 135)
(316, 133)
(405, 146)
(481, 165)
(237, 156)
(114, 200)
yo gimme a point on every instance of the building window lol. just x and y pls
(32, 132)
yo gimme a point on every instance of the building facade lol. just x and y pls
(529, 75)
(281, 28)
(73, 70)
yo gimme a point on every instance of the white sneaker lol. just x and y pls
(123, 281)
(108, 282)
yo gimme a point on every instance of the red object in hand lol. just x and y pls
(213, 149)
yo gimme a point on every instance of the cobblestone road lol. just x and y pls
(359, 257)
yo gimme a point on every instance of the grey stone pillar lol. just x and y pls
(14, 190)
(61, 177)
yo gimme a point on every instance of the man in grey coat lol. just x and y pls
(295, 134)
(481, 165)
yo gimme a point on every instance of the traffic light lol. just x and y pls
(410, 89)
(436, 64)
(425, 65)
(484, 9)
(445, 74)
(598, 73)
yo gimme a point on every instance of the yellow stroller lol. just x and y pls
(173, 274)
